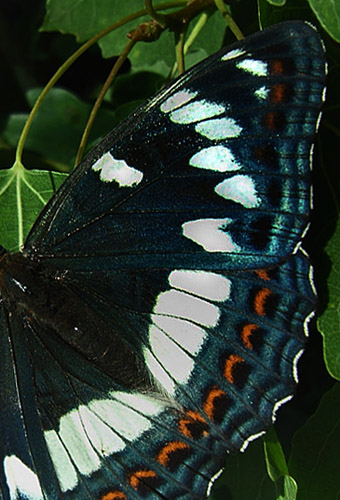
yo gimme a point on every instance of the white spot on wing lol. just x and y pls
(324, 92)
(212, 481)
(120, 415)
(158, 372)
(277, 405)
(117, 170)
(186, 306)
(232, 54)
(185, 333)
(241, 189)
(205, 284)
(21, 480)
(219, 128)
(97, 430)
(66, 473)
(179, 319)
(250, 439)
(210, 234)
(310, 316)
(196, 111)
(295, 365)
(176, 100)
(262, 93)
(145, 404)
(75, 440)
(172, 358)
(218, 158)
(253, 66)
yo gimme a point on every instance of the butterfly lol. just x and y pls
(152, 322)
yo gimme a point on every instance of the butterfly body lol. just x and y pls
(154, 318)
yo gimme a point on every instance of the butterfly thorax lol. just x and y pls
(21, 286)
(42, 299)
(47, 302)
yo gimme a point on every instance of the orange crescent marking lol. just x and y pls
(276, 67)
(114, 495)
(263, 274)
(163, 456)
(270, 120)
(277, 92)
(140, 474)
(230, 364)
(193, 416)
(260, 301)
(247, 332)
(209, 404)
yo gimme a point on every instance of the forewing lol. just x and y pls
(213, 172)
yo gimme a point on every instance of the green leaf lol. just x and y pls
(208, 40)
(328, 14)
(329, 321)
(58, 126)
(86, 18)
(245, 477)
(326, 11)
(270, 13)
(158, 56)
(289, 489)
(275, 459)
(147, 56)
(76, 22)
(23, 194)
(277, 3)
(277, 467)
(315, 458)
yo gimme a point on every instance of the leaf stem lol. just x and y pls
(116, 67)
(64, 67)
(180, 40)
(229, 20)
(191, 38)
(157, 16)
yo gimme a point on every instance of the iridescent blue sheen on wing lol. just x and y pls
(154, 319)
(272, 149)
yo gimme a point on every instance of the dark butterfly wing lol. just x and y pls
(219, 383)
(224, 151)
(166, 301)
